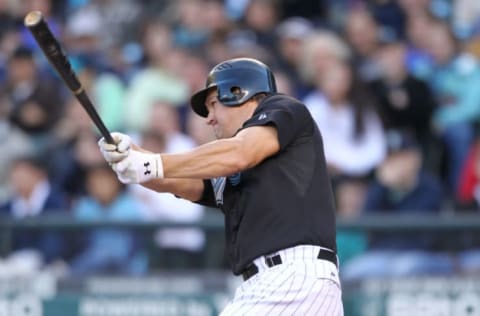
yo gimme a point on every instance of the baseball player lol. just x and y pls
(267, 173)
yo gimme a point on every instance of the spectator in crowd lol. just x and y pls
(419, 62)
(216, 20)
(190, 28)
(9, 39)
(319, 50)
(164, 120)
(113, 21)
(193, 71)
(412, 7)
(466, 16)
(108, 250)
(99, 40)
(291, 34)
(14, 143)
(106, 90)
(261, 16)
(74, 122)
(362, 33)
(469, 186)
(472, 45)
(401, 187)
(244, 42)
(283, 82)
(315, 11)
(34, 196)
(346, 117)
(153, 82)
(36, 103)
(404, 102)
(389, 17)
(455, 83)
(83, 33)
(70, 151)
(7, 20)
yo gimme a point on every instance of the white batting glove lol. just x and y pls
(115, 152)
(139, 167)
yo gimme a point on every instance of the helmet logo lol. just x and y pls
(224, 66)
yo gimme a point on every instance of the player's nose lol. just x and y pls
(210, 118)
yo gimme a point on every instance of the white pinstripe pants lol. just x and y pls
(301, 285)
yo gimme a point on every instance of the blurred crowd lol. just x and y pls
(393, 86)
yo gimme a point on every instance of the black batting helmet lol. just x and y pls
(236, 80)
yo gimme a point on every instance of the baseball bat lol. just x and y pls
(50, 46)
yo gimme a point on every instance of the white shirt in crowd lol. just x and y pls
(350, 155)
(34, 204)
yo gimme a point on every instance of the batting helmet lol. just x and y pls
(236, 80)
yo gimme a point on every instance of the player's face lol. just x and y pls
(225, 120)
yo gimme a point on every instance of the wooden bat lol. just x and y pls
(50, 46)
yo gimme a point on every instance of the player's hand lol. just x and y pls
(115, 152)
(139, 167)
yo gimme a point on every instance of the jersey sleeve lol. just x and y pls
(290, 117)
(208, 196)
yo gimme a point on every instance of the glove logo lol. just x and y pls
(147, 170)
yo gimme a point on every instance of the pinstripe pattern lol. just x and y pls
(301, 285)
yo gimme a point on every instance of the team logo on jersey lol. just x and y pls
(218, 185)
(235, 178)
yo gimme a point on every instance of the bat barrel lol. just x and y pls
(52, 49)
(33, 18)
(35, 22)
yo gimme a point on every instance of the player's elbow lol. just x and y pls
(245, 155)
(239, 162)
(239, 158)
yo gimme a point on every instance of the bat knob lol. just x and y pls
(33, 18)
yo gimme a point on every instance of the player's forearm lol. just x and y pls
(190, 189)
(218, 158)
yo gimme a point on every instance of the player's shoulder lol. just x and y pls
(281, 102)
(279, 99)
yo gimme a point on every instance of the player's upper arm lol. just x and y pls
(257, 144)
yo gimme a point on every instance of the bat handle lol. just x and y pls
(83, 99)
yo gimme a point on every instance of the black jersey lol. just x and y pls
(284, 201)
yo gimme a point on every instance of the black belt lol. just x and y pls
(252, 269)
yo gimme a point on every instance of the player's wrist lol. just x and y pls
(139, 167)
(149, 166)
(158, 163)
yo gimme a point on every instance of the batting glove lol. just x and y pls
(115, 152)
(139, 167)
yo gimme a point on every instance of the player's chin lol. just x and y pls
(218, 133)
